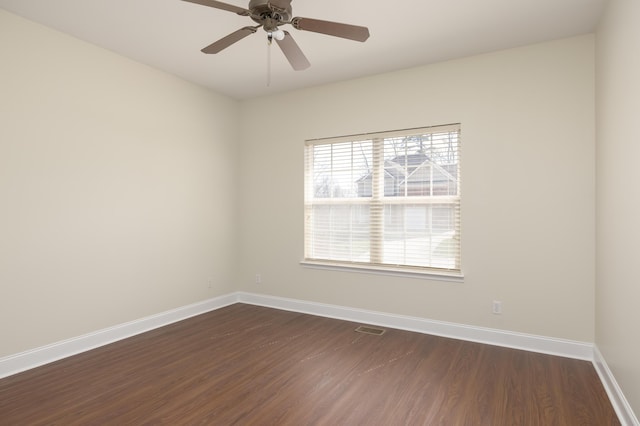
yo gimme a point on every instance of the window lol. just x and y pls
(387, 200)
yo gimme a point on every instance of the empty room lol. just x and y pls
(319, 213)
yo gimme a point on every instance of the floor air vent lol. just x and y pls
(370, 330)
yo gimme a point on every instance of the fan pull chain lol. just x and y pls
(269, 42)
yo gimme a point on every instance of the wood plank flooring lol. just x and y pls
(249, 365)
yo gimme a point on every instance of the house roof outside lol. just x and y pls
(411, 169)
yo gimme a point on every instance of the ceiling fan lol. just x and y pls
(270, 15)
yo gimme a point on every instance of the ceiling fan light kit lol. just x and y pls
(270, 15)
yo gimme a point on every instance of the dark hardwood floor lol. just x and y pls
(248, 365)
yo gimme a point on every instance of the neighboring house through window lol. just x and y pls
(385, 200)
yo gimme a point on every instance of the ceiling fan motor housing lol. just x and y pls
(268, 15)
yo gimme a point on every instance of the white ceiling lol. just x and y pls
(168, 34)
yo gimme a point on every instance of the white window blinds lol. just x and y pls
(385, 199)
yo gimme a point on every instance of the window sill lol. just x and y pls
(385, 270)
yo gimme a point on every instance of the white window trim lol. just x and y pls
(403, 272)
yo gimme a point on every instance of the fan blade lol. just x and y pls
(227, 41)
(351, 32)
(293, 53)
(223, 6)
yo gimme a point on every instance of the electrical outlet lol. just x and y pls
(496, 307)
(258, 279)
(210, 283)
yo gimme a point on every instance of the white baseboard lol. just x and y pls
(579, 350)
(617, 398)
(528, 342)
(43, 355)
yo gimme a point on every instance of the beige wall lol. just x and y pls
(618, 194)
(116, 189)
(528, 220)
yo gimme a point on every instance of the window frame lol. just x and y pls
(380, 200)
